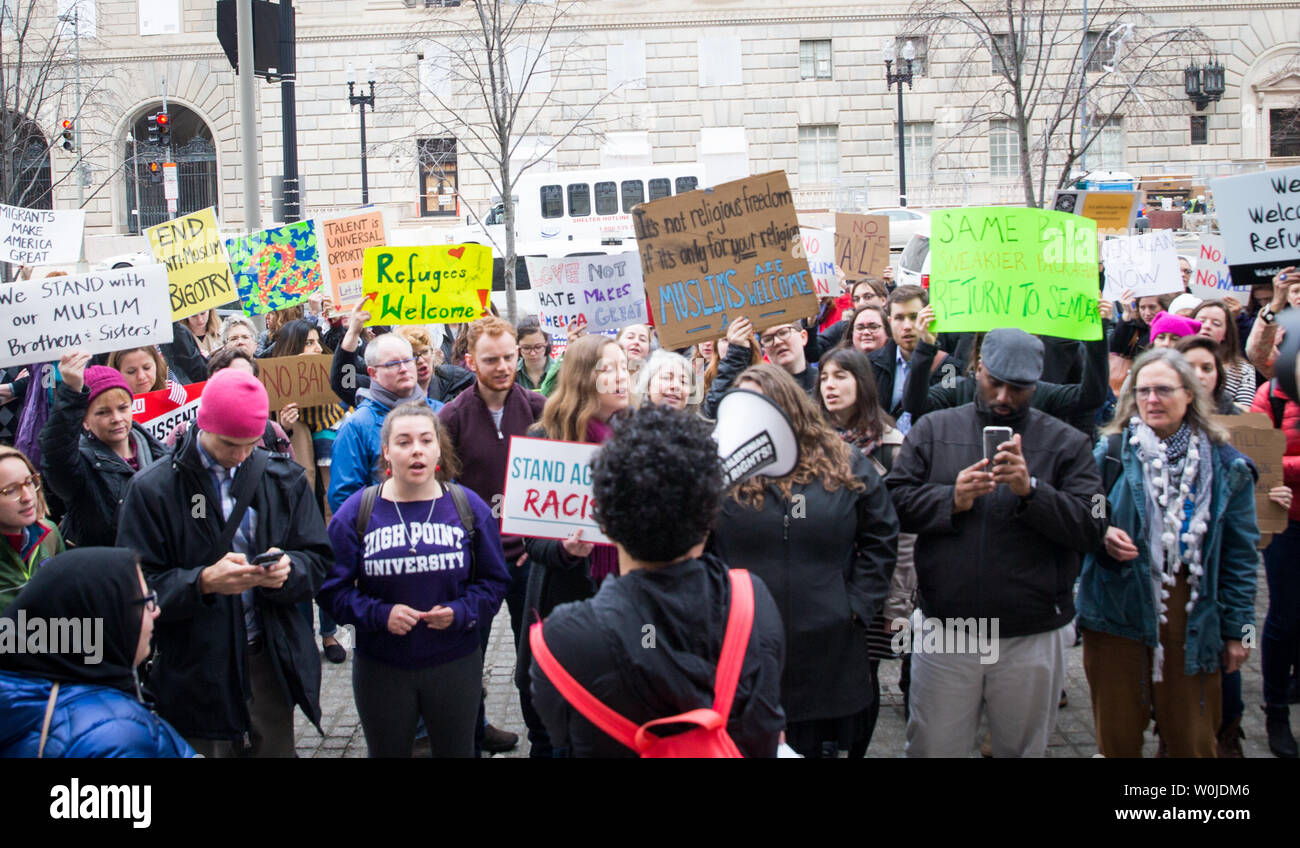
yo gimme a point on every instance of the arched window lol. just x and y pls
(195, 155)
(26, 165)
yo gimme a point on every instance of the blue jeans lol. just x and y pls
(328, 627)
(1278, 648)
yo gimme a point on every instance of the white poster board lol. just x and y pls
(819, 249)
(1259, 217)
(160, 17)
(40, 236)
(548, 490)
(1146, 264)
(607, 290)
(1211, 279)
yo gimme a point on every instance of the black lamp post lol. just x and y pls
(1203, 83)
(362, 100)
(891, 79)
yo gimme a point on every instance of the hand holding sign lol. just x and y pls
(1282, 284)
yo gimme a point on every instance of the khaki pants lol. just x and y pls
(271, 713)
(1187, 707)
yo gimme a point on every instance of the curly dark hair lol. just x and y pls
(657, 483)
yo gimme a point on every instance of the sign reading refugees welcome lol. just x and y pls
(431, 284)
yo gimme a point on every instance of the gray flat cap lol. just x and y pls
(1013, 356)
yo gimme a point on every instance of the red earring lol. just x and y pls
(389, 472)
(437, 468)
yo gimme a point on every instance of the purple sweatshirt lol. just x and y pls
(370, 576)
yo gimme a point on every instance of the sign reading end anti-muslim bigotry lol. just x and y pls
(714, 255)
(198, 271)
(1002, 266)
(548, 490)
(40, 236)
(432, 284)
(1259, 217)
(40, 320)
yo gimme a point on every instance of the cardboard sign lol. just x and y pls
(1259, 217)
(276, 268)
(819, 250)
(40, 236)
(607, 290)
(1114, 211)
(304, 380)
(548, 490)
(433, 284)
(40, 320)
(1002, 266)
(198, 271)
(712, 256)
(159, 413)
(346, 239)
(861, 244)
(1146, 264)
(1253, 434)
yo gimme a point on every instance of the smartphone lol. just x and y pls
(994, 436)
(267, 559)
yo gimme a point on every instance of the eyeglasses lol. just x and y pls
(1162, 392)
(397, 363)
(14, 491)
(149, 602)
(868, 329)
(779, 336)
(427, 353)
(532, 348)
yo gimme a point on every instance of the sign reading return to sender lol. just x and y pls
(40, 320)
(548, 490)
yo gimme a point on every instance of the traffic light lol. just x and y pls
(155, 173)
(164, 129)
(153, 129)
(67, 134)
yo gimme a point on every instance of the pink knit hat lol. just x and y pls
(234, 405)
(1176, 324)
(101, 378)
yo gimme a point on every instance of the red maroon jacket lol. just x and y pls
(1290, 421)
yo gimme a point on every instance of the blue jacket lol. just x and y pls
(88, 721)
(1116, 597)
(356, 455)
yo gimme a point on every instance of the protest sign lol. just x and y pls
(304, 380)
(159, 413)
(606, 290)
(1145, 264)
(1114, 211)
(819, 251)
(99, 312)
(1211, 278)
(433, 284)
(709, 257)
(346, 239)
(276, 268)
(1259, 217)
(861, 244)
(40, 236)
(1002, 266)
(548, 490)
(198, 271)
(1254, 435)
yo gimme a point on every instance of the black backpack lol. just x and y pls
(458, 498)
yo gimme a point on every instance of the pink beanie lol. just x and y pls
(101, 378)
(1176, 324)
(234, 405)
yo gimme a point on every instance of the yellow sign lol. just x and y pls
(198, 271)
(433, 284)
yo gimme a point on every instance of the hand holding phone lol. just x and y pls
(993, 437)
(268, 559)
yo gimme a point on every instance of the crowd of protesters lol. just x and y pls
(1047, 491)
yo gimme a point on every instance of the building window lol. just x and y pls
(918, 146)
(920, 44)
(86, 16)
(438, 185)
(1099, 48)
(819, 154)
(815, 59)
(160, 17)
(195, 154)
(1004, 150)
(1284, 132)
(1200, 129)
(1107, 150)
(625, 64)
(1001, 53)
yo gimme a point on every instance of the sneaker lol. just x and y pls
(1280, 740)
(498, 741)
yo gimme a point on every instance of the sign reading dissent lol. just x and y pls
(40, 236)
(1001, 266)
(606, 290)
(198, 271)
(712, 256)
(434, 284)
(304, 380)
(41, 320)
(159, 413)
(548, 490)
(1259, 217)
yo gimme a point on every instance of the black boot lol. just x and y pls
(1280, 740)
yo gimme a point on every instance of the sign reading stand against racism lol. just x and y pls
(548, 490)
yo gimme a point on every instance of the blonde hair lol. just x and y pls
(415, 334)
(42, 511)
(211, 341)
(1198, 411)
(576, 399)
(658, 361)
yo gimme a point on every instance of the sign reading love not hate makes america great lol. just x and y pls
(1002, 266)
(40, 236)
(548, 490)
(431, 284)
(606, 290)
(198, 270)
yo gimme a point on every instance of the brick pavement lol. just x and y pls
(1073, 737)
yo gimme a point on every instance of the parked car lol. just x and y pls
(903, 224)
(914, 263)
(124, 260)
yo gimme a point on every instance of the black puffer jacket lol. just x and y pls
(1007, 558)
(827, 558)
(200, 673)
(645, 674)
(85, 473)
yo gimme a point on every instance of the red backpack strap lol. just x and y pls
(613, 724)
(740, 621)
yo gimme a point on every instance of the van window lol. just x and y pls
(606, 199)
(660, 188)
(685, 184)
(579, 200)
(552, 201)
(633, 193)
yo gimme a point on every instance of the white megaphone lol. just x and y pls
(754, 436)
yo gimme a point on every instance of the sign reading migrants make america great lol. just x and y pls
(198, 271)
(1259, 217)
(40, 236)
(1002, 266)
(714, 255)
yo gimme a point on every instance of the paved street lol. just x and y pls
(1073, 737)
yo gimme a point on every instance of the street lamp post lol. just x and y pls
(892, 79)
(362, 100)
(135, 177)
